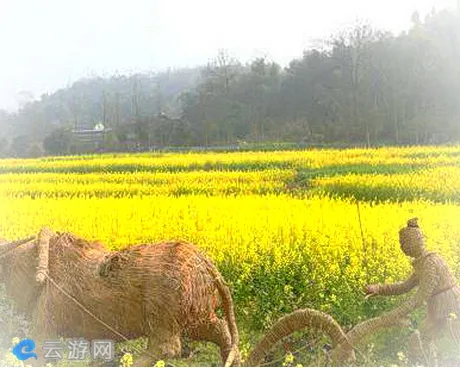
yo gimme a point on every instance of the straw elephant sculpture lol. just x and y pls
(72, 287)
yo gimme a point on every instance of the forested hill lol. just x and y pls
(366, 86)
(116, 100)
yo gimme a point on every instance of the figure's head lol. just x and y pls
(411, 239)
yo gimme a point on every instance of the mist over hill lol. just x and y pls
(366, 86)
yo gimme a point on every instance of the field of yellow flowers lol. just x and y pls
(283, 227)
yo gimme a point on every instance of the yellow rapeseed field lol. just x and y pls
(283, 227)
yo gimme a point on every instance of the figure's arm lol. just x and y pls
(427, 284)
(394, 289)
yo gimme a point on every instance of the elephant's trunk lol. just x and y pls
(296, 321)
(227, 304)
(6, 248)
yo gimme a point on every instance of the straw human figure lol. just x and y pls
(437, 289)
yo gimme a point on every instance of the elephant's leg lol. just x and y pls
(41, 331)
(164, 341)
(216, 332)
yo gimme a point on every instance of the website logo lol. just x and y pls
(25, 350)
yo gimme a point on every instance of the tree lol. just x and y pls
(365, 86)
(4, 147)
(58, 142)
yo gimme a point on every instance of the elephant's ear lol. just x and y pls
(111, 264)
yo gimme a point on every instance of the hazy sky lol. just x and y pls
(48, 44)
